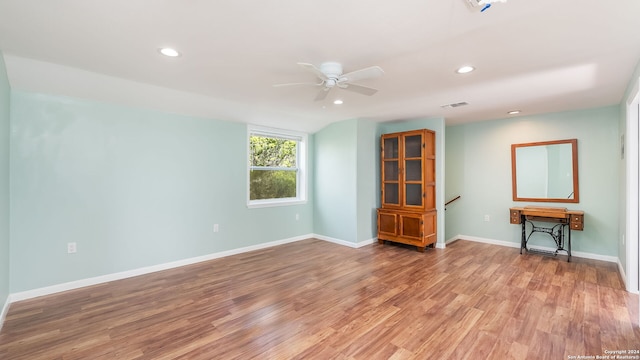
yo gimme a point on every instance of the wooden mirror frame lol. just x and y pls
(574, 158)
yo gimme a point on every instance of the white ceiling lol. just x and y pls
(537, 56)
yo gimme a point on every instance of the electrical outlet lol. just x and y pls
(297, 217)
(622, 239)
(216, 228)
(71, 248)
(487, 218)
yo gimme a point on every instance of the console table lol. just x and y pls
(564, 220)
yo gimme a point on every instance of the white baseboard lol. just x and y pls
(5, 310)
(48, 290)
(29, 294)
(624, 278)
(622, 274)
(344, 242)
(452, 240)
(578, 254)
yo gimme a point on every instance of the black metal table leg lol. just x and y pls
(523, 243)
(569, 244)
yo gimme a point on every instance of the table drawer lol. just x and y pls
(514, 216)
(576, 222)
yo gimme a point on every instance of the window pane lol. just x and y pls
(272, 184)
(270, 151)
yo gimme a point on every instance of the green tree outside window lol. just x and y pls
(273, 168)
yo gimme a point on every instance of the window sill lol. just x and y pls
(271, 203)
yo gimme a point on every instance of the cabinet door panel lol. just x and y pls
(387, 224)
(411, 226)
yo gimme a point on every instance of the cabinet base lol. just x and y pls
(418, 247)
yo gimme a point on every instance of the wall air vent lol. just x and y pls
(454, 105)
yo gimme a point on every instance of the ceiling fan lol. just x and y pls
(330, 75)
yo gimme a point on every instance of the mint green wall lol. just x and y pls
(4, 183)
(438, 126)
(368, 169)
(455, 179)
(347, 180)
(131, 187)
(484, 150)
(335, 187)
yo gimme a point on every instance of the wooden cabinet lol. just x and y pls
(408, 186)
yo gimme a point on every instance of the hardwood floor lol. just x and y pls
(317, 300)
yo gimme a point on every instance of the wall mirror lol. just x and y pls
(545, 171)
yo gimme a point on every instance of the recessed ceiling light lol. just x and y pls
(338, 102)
(514, 112)
(169, 52)
(465, 69)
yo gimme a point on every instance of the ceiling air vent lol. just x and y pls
(454, 105)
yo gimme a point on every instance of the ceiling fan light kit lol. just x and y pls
(331, 75)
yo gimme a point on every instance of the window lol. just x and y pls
(276, 167)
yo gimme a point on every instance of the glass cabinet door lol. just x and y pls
(413, 170)
(391, 170)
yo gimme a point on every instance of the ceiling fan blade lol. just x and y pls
(296, 84)
(366, 73)
(364, 90)
(322, 94)
(313, 69)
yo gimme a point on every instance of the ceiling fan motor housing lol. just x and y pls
(331, 69)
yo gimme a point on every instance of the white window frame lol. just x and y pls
(301, 161)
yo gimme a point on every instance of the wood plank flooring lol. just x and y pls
(317, 300)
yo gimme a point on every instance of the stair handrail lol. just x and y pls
(450, 201)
